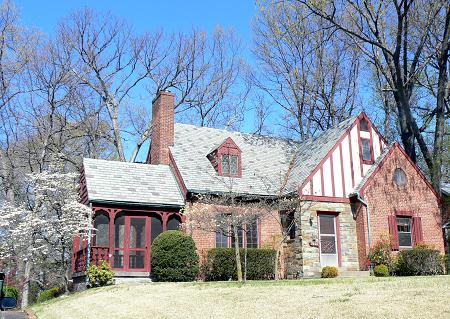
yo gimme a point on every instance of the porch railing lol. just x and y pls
(98, 254)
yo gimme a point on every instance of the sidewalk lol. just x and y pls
(15, 315)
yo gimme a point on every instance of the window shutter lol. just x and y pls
(417, 234)
(393, 231)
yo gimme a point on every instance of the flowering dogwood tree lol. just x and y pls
(41, 229)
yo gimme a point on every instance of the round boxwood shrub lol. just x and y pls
(381, 271)
(329, 272)
(174, 257)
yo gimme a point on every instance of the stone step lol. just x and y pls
(127, 280)
(354, 274)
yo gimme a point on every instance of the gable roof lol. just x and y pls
(379, 163)
(131, 183)
(266, 161)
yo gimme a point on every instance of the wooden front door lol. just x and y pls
(131, 250)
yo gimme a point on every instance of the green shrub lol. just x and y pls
(174, 257)
(381, 253)
(419, 261)
(49, 294)
(10, 291)
(447, 264)
(381, 271)
(220, 264)
(100, 275)
(329, 272)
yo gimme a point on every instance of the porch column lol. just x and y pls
(165, 218)
(112, 215)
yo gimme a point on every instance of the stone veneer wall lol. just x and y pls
(302, 254)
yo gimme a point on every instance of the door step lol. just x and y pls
(131, 280)
(354, 274)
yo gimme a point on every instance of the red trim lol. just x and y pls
(228, 147)
(344, 193)
(332, 175)
(83, 192)
(403, 213)
(326, 199)
(178, 176)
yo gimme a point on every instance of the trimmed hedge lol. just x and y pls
(174, 257)
(49, 294)
(220, 264)
(419, 261)
(381, 271)
(329, 272)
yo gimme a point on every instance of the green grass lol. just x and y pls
(393, 297)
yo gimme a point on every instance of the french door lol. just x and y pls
(131, 250)
(329, 254)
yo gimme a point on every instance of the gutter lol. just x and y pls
(369, 228)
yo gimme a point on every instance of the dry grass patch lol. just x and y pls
(411, 297)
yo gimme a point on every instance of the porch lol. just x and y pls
(123, 237)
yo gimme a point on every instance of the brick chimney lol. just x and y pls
(162, 128)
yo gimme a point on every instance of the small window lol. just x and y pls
(364, 125)
(221, 239)
(252, 234)
(366, 150)
(230, 165)
(404, 231)
(400, 178)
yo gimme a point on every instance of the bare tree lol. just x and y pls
(392, 35)
(305, 67)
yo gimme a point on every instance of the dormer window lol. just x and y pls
(226, 159)
(230, 164)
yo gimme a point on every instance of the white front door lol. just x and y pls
(328, 241)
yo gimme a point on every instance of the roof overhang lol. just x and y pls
(140, 204)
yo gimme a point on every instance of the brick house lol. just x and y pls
(357, 189)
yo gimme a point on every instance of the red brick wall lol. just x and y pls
(385, 198)
(162, 128)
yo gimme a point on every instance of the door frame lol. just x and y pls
(126, 244)
(338, 233)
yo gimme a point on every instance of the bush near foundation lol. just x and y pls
(100, 275)
(49, 294)
(10, 291)
(220, 264)
(422, 260)
(381, 271)
(174, 257)
(329, 272)
(381, 254)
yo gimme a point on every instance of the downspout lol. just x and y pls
(369, 230)
(88, 252)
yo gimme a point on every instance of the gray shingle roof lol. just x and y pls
(265, 161)
(445, 188)
(132, 183)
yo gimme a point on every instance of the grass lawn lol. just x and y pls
(407, 297)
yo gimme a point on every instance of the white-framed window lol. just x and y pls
(404, 227)
(230, 164)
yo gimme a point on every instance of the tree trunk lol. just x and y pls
(438, 148)
(26, 284)
(277, 256)
(236, 253)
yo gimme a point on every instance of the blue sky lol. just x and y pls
(148, 15)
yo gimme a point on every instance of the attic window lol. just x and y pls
(400, 177)
(230, 164)
(366, 151)
(364, 125)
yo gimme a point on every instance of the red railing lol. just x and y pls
(98, 254)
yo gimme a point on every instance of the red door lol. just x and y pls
(130, 243)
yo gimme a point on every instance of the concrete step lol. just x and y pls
(127, 280)
(354, 274)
